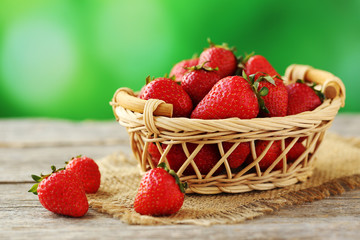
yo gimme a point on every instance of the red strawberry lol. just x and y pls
(230, 97)
(199, 81)
(169, 91)
(180, 68)
(61, 192)
(160, 193)
(301, 98)
(276, 101)
(176, 156)
(219, 57)
(88, 172)
(259, 65)
(154, 153)
(295, 151)
(239, 155)
(272, 154)
(205, 159)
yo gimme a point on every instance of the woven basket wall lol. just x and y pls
(144, 128)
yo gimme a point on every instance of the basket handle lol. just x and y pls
(332, 86)
(126, 98)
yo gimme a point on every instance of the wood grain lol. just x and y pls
(23, 217)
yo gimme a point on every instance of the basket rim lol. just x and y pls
(326, 111)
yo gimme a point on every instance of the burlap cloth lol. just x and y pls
(337, 170)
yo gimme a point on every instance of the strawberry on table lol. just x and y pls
(88, 172)
(276, 101)
(61, 192)
(169, 91)
(221, 57)
(230, 97)
(160, 192)
(302, 98)
(198, 81)
(180, 68)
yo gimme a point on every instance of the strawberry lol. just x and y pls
(176, 156)
(276, 101)
(154, 153)
(205, 159)
(88, 172)
(230, 97)
(160, 192)
(295, 151)
(259, 65)
(219, 57)
(61, 192)
(169, 91)
(239, 155)
(199, 81)
(272, 154)
(180, 68)
(302, 98)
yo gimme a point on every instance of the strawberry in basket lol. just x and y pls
(199, 80)
(205, 160)
(276, 101)
(302, 98)
(181, 68)
(239, 155)
(169, 91)
(219, 56)
(225, 101)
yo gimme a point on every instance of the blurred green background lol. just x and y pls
(66, 58)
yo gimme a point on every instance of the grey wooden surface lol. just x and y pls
(30, 146)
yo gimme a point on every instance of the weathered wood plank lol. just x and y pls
(48, 132)
(22, 216)
(17, 165)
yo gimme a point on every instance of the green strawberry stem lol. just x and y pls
(38, 179)
(223, 45)
(255, 85)
(241, 62)
(313, 87)
(182, 186)
(202, 67)
(78, 156)
(195, 56)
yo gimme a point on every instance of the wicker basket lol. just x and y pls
(150, 121)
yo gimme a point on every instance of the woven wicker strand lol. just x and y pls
(150, 122)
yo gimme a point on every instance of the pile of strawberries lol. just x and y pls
(219, 85)
(63, 191)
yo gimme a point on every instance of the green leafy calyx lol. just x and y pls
(38, 179)
(223, 45)
(202, 67)
(182, 186)
(255, 86)
(242, 60)
(313, 87)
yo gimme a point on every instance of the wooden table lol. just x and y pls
(30, 146)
